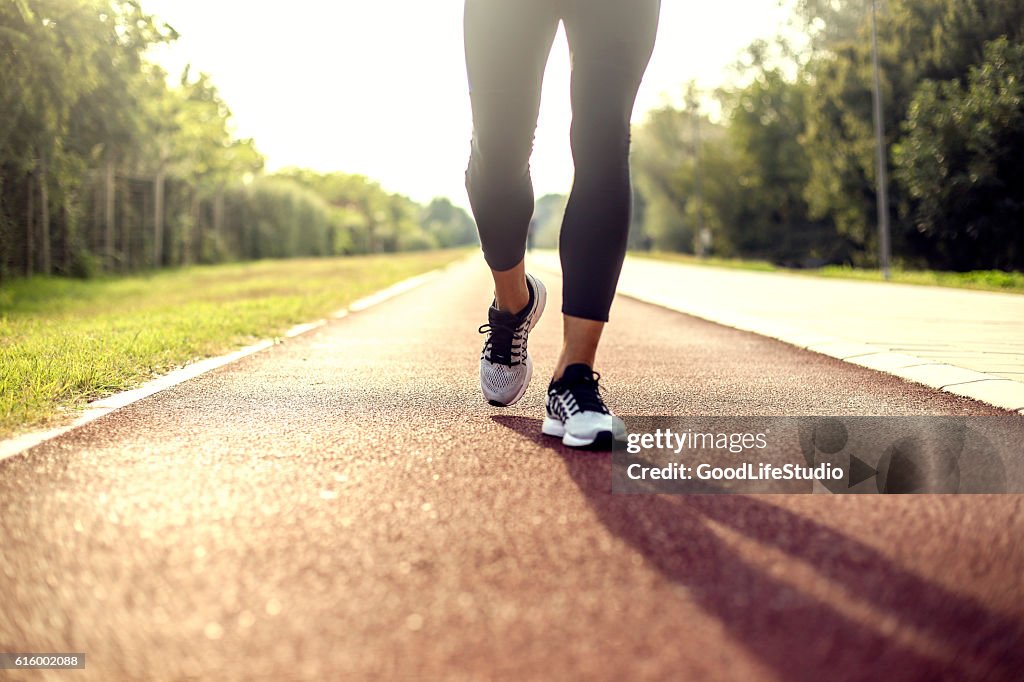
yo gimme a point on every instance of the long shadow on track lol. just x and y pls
(795, 633)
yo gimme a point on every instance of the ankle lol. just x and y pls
(580, 340)
(513, 299)
(511, 291)
(563, 364)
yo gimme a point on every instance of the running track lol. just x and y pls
(345, 506)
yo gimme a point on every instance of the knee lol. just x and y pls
(603, 97)
(503, 131)
(497, 158)
(600, 141)
(601, 120)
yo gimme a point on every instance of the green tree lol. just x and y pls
(919, 40)
(370, 219)
(449, 224)
(962, 162)
(68, 68)
(48, 47)
(769, 216)
(685, 172)
(829, 23)
(663, 169)
(546, 225)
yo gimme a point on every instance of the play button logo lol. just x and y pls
(860, 471)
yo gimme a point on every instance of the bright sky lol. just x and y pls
(379, 87)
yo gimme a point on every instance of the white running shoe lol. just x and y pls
(576, 413)
(505, 366)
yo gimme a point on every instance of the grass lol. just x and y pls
(984, 280)
(66, 342)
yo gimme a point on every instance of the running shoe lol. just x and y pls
(505, 365)
(576, 413)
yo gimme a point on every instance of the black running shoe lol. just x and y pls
(576, 413)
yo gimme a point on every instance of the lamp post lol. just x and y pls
(702, 236)
(881, 174)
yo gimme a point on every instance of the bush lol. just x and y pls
(962, 161)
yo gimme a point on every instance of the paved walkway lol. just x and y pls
(966, 342)
(344, 505)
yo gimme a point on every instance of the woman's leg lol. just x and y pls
(507, 46)
(611, 43)
(580, 338)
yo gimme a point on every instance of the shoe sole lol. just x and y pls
(602, 440)
(541, 294)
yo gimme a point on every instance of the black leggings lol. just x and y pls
(507, 46)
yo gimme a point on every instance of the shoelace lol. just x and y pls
(587, 394)
(501, 346)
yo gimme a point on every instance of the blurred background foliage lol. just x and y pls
(107, 165)
(786, 172)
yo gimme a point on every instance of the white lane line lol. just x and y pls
(104, 406)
